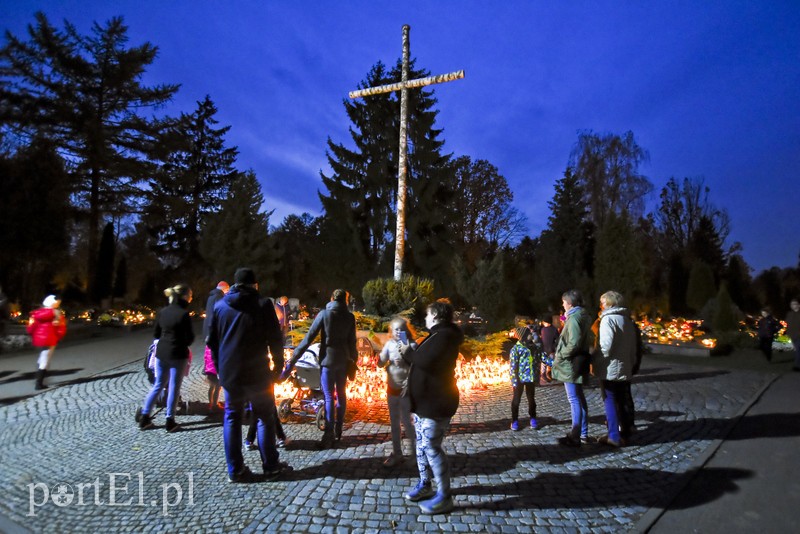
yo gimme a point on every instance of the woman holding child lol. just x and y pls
(433, 395)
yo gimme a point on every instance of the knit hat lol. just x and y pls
(49, 300)
(244, 275)
(522, 333)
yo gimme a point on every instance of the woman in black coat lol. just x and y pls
(174, 334)
(434, 399)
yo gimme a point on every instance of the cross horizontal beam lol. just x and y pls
(410, 84)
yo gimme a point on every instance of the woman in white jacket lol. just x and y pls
(615, 363)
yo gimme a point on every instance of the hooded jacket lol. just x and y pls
(47, 327)
(616, 358)
(432, 381)
(337, 329)
(576, 338)
(244, 332)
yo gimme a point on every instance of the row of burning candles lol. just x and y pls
(482, 372)
(675, 331)
(370, 382)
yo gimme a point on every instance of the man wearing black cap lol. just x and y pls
(243, 328)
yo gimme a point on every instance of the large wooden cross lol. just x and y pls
(403, 87)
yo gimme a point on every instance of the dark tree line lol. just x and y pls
(105, 198)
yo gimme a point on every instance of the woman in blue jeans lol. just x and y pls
(336, 327)
(570, 364)
(174, 333)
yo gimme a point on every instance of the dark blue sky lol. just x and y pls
(711, 89)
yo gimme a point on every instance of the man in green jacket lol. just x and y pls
(571, 364)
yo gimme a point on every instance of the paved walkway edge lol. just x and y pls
(7, 526)
(654, 514)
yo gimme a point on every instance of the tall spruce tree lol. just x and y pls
(34, 240)
(302, 274)
(238, 235)
(85, 92)
(360, 206)
(618, 263)
(488, 289)
(701, 286)
(565, 251)
(740, 284)
(197, 172)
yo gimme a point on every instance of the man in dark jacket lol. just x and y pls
(434, 400)
(243, 330)
(337, 351)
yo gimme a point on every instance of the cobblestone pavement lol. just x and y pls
(60, 448)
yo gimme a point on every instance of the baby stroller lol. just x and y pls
(308, 397)
(150, 369)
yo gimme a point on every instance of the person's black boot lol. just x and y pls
(40, 373)
(327, 439)
(338, 431)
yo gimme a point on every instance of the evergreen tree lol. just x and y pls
(705, 245)
(563, 257)
(487, 289)
(302, 274)
(724, 316)
(769, 287)
(238, 235)
(102, 283)
(739, 283)
(677, 284)
(618, 259)
(362, 188)
(145, 277)
(656, 268)
(521, 266)
(34, 238)
(197, 172)
(360, 207)
(701, 286)
(85, 92)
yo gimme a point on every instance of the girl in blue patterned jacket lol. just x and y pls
(522, 366)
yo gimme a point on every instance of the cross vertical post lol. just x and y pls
(402, 166)
(402, 160)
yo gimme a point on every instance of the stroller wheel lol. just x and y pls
(285, 410)
(321, 417)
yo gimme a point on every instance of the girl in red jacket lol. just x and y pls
(47, 327)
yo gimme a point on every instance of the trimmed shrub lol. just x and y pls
(385, 296)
